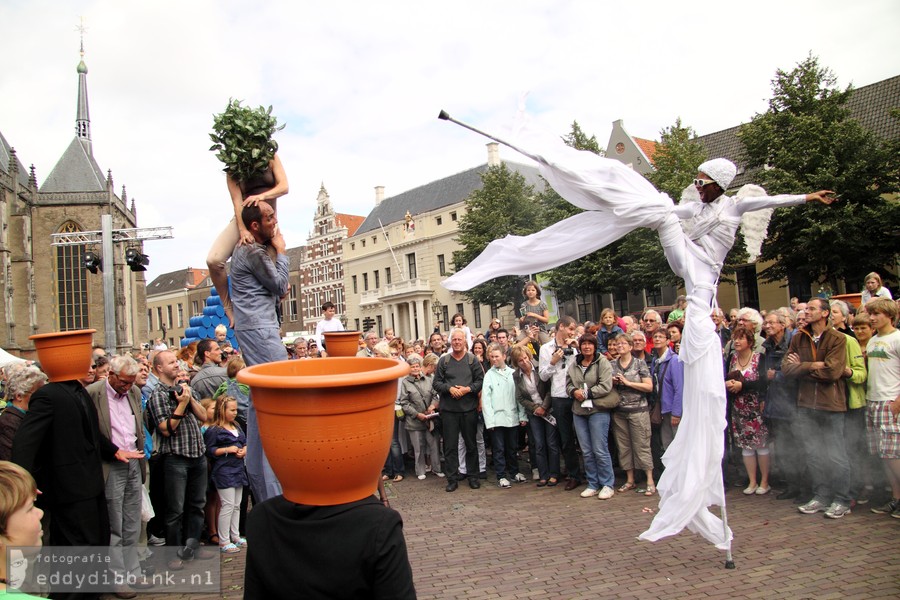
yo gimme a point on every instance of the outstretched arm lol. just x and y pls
(751, 203)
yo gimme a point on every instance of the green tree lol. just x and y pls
(807, 141)
(677, 156)
(504, 205)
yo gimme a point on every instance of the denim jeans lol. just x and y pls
(545, 440)
(562, 411)
(185, 498)
(826, 454)
(506, 442)
(393, 466)
(593, 436)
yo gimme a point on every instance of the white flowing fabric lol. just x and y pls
(618, 200)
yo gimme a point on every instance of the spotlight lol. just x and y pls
(135, 260)
(92, 262)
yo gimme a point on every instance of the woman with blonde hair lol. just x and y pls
(874, 289)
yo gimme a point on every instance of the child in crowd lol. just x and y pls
(459, 322)
(609, 329)
(210, 405)
(328, 323)
(502, 416)
(226, 446)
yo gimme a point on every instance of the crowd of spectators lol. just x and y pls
(811, 388)
(813, 401)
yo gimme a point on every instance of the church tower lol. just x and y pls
(47, 287)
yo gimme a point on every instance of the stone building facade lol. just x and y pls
(46, 288)
(393, 276)
(321, 272)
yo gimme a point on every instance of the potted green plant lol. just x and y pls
(242, 139)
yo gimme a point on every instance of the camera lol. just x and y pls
(176, 391)
(568, 351)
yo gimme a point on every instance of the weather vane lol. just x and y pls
(80, 28)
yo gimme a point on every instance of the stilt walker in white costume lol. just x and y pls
(696, 237)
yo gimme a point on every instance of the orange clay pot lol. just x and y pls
(341, 343)
(326, 424)
(64, 355)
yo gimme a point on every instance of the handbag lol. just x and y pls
(607, 402)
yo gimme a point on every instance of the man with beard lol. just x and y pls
(257, 284)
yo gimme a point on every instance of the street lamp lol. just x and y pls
(437, 309)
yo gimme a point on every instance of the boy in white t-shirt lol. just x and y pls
(883, 396)
(329, 323)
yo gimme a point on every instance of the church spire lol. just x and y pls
(82, 117)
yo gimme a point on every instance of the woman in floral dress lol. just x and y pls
(747, 393)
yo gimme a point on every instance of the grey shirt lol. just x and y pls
(207, 380)
(256, 285)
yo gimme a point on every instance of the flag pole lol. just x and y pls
(446, 117)
(729, 560)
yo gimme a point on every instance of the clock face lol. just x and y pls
(620, 148)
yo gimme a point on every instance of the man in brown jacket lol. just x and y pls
(816, 358)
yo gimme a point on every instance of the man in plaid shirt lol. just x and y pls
(176, 416)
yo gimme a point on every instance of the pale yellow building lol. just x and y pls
(395, 262)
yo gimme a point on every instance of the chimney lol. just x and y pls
(379, 194)
(493, 149)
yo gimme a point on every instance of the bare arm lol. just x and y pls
(237, 202)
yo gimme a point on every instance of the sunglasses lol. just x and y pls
(703, 182)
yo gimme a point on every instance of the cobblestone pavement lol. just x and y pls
(529, 542)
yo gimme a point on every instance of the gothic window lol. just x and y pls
(71, 284)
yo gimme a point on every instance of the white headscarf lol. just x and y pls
(721, 170)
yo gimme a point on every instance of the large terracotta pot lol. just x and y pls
(341, 343)
(326, 424)
(64, 355)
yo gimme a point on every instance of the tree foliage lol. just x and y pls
(504, 205)
(677, 156)
(807, 141)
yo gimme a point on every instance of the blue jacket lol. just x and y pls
(670, 388)
(227, 471)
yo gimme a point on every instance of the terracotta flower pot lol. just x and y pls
(326, 424)
(341, 343)
(64, 355)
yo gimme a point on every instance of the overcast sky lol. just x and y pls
(359, 85)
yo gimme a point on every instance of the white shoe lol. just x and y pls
(750, 490)
(535, 474)
(504, 482)
(519, 478)
(606, 493)
(421, 477)
(439, 474)
(588, 492)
